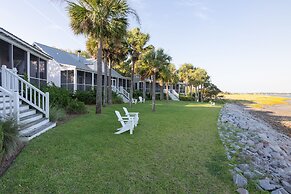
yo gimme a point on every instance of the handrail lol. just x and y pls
(13, 104)
(27, 92)
(175, 93)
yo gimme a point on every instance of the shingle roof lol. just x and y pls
(66, 58)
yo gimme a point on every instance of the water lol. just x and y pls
(285, 95)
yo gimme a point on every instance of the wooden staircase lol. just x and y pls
(25, 103)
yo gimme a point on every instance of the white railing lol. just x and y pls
(120, 90)
(124, 92)
(175, 93)
(27, 92)
(9, 105)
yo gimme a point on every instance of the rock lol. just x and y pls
(287, 186)
(266, 185)
(240, 180)
(242, 191)
(249, 174)
(243, 167)
(280, 191)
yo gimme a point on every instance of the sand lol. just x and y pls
(278, 116)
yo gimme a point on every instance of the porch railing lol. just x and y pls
(10, 105)
(121, 90)
(27, 92)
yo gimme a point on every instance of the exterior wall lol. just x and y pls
(54, 72)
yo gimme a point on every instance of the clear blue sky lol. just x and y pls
(245, 45)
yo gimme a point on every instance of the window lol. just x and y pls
(4, 53)
(19, 60)
(34, 66)
(42, 69)
(67, 79)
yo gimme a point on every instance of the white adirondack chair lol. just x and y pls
(134, 101)
(133, 115)
(126, 122)
(141, 100)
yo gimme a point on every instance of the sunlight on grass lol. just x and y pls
(255, 100)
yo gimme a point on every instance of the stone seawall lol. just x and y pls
(257, 153)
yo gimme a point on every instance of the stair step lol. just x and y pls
(23, 107)
(27, 128)
(30, 118)
(27, 113)
(38, 131)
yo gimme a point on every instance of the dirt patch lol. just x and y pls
(7, 161)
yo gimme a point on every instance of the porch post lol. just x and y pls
(92, 81)
(11, 56)
(75, 80)
(28, 65)
(117, 82)
(126, 85)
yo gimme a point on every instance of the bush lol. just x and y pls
(88, 97)
(8, 137)
(137, 93)
(57, 114)
(186, 98)
(76, 107)
(59, 97)
(116, 99)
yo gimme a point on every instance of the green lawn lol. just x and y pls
(175, 150)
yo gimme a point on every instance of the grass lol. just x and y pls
(174, 150)
(256, 100)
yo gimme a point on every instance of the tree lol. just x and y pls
(168, 75)
(99, 19)
(136, 43)
(152, 62)
(198, 78)
(184, 73)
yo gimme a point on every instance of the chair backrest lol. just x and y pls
(125, 111)
(140, 98)
(119, 118)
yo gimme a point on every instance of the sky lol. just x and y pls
(245, 45)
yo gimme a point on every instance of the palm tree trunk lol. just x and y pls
(132, 83)
(154, 94)
(105, 82)
(109, 86)
(99, 78)
(144, 84)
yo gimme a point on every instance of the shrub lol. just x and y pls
(88, 97)
(186, 98)
(57, 114)
(116, 99)
(137, 93)
(8, 137)
(76, 107)
(59, 97)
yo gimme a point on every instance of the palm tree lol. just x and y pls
(136, 41)
(184, 74)
(153, 62)
(169, 76)
(99, 19)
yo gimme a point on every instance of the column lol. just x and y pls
(28, 65)
(117, 82)
(126, 85)
(75, 79)
(11, 56)
(92, 81)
